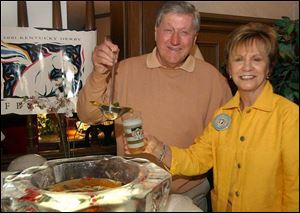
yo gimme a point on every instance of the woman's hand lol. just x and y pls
(161, 151)
(153, 146)
(155, 151)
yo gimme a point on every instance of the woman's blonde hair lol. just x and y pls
(246, 34)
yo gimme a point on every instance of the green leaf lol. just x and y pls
(296, 95)
(290, 28)
(287, 91)
(291, 97)
(286, 51)
(297, 27)
(279, 23)
(286, 19)
(294, 86)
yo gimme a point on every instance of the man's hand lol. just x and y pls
(103, 55)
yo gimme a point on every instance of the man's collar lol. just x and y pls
(152, 62)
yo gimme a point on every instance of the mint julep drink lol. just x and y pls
(133, 133)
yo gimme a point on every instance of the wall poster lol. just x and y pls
(42, 70)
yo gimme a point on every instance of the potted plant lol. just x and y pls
(285, 76)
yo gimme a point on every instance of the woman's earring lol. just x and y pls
(230, 77)
(268, 77)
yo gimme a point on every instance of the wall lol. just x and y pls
(259, 9)
(76, 17)
(39, 14)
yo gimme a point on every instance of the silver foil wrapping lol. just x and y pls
(146, 186)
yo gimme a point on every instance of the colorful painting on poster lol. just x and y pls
(44, 67)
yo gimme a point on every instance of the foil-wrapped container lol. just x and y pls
(146, 186)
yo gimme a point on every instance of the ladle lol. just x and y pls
(111, 111)
(112, 85)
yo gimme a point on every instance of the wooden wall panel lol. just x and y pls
(150, 9)
(219, 41)
(134, 12)
(132, 25)
(118, 26)
(210, 52)
(214, 32)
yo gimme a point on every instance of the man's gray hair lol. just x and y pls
(179, 7)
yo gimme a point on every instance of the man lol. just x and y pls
(176, 92)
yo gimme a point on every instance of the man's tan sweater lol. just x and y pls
(176, 104)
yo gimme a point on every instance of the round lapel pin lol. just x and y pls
(222, 122)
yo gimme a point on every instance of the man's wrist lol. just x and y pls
(101, 69)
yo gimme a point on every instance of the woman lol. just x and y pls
(252, 142)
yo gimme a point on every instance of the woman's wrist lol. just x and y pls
(165, 157)
(158, 150)
(162, 153)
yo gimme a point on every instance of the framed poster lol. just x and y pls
(42, 70)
